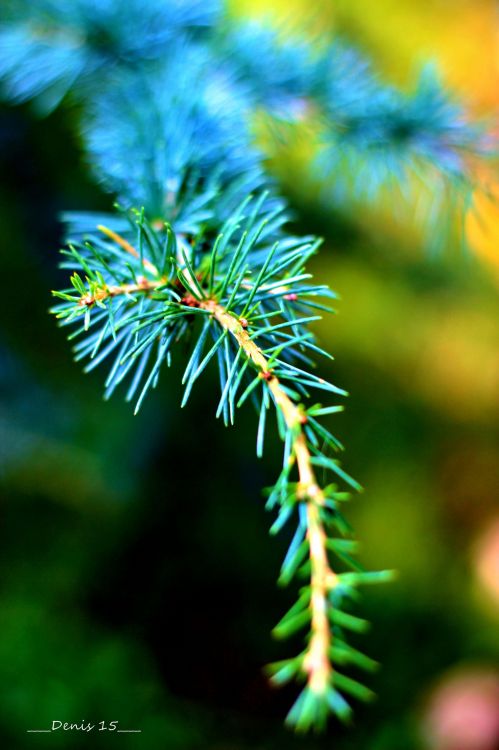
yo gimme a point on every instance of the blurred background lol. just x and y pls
(136, 589)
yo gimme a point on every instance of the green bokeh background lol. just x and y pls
(137, 574)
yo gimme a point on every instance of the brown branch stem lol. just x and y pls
(317, 662)
(142, 285)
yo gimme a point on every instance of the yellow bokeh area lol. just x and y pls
(482, 225)
(461, 35)
(462, 39)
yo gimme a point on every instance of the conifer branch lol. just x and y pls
(168, 92)
(105, 292)
(317, 663)
(256, 297)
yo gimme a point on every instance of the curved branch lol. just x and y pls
(317, 662)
